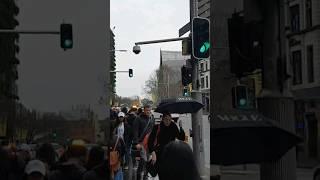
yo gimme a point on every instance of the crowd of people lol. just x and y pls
(146, 140)
(137, 140)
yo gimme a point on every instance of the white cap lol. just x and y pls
(35, 166)
(121, 114)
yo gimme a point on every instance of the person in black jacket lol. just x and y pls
(178, 163)
(161, 135)
(142, 126)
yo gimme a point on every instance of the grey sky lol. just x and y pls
(142, 20)
(51, 79)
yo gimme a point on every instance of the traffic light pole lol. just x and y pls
(118, 71)
(6, 31)
(161, 41)
(197, 139)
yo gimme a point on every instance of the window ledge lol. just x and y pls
(316, 27)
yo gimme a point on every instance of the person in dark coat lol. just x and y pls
(143, 125)
(47, 155)
(177, 162)
(161, 135)
(73, 168)
(97, 165)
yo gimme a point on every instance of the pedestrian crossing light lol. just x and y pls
(200, 38)
(185, 92)
(240, 97)
(66, 38)
(130, 73)
(54, 135)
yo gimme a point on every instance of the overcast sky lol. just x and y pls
(51, 79)
(143, 20)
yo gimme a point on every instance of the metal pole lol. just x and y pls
(118, 71)
(161, 41)
(195, 94)
(168, 84)
(27, 31)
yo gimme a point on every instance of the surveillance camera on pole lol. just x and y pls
(136, 49)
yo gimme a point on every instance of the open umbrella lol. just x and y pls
(179, 105)
(247, 137)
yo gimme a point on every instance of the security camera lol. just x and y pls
(136, 49)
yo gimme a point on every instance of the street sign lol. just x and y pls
(184, 29)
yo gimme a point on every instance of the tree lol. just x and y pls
(146, 101)
(151, 86)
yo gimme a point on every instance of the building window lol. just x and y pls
(310, 64)
(202, 83)
(207, 82)
(207, 66)
(294, 18)
(297, 69)
(201, 67)
(308, 14)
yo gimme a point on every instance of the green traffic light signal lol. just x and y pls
(66, 37)
(205, 47)
(130, 72)
(242, 102)
(200, 38)
(185, 92)
(240, 97)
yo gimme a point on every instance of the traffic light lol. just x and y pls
(66, 39)
(130, 73)
(244, 45)
(186, 75)
(185, 92)
(200, 38)
(54, 134)
(186, 47)
(240, 97)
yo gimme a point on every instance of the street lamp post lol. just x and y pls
(120, 50)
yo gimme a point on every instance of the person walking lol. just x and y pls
(47, 155)
(142, 127)
(160, 136)
(177, 162)
(121, 131)
(97, 165)
(35, 170)
(73, 168)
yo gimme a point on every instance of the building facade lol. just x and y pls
(303, 65)
(169, 74)
(8, 69)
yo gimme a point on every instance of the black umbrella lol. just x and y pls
(248, 137)
(179, 105)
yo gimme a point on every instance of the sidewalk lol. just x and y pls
(253, 173)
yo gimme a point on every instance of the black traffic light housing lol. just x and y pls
(200, 38)
(240, 98)
(130, 72)
(245, 45)
(66, 37)
(186, 75)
